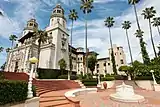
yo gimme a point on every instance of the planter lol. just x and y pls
(105, 85)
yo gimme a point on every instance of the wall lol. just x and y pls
(145, 84)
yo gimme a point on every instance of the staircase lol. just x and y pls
(43, 86)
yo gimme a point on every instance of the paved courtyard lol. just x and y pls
(102, 99)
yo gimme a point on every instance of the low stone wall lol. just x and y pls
(33, 102)
(110, 84)
(145, 84)
(70, 95)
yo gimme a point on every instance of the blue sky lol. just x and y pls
(17, 12)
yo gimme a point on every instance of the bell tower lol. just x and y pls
(57, 16)
(59, 34)
(32, 26)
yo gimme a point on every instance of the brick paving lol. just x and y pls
(102, 99)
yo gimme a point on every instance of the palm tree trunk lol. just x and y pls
(152, 38)
(129, 47)
(112, 54)
(12, 44)
(86, 43)
(39, 46)
(70, 53)
(135, 10)
(158, 30)
(110, 38)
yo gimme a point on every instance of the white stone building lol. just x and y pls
(56, 48)
(104, 65)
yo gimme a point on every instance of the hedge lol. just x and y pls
(13, 91)
(51, 73)
(111, 78)
(72, 77)
(90, 82)
(1, 75)
(144, 78)
(120, 77)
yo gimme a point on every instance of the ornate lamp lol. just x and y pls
(32, 60)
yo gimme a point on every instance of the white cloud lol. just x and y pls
(100, 33)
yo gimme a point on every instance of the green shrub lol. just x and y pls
(144, 78)
(12, 91)
(120, 77)
(89, 80)
(1, 75)
(108, 78)
(90, 83)
(51, 73)
(72, 77)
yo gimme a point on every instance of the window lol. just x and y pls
(78, 58)
(120, 53)
(105, 71)
(50, 33)
(97, 71)
(31, 24)
(115, 53)
(122, 61)
(108, 63)
(104, 64)
(81, 59)
(97, 65)
(58, 11)
(117, 48)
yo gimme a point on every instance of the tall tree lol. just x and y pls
(139, 34)
(1, 49)
(86, 7)
(134, 2)
(149, 13)
(92, 60)
(13, 38)
(42, 38)
(73, 17)
(109, 22)
(126, 25)
(156, 23)
(142, 45)
(62, 63)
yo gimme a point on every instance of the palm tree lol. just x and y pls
(126, 25)
(139, 34)
(42, 38)
(156, 23)
(109, 22)
(7, 50)
(13, 38)
(1, 49)
(149, 13)
(73, 17)
(86, 7)
(134, 2)
(143, 47)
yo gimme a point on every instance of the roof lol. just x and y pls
(28, 35)
(103, 58)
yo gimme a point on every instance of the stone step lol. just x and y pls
(54, 103)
